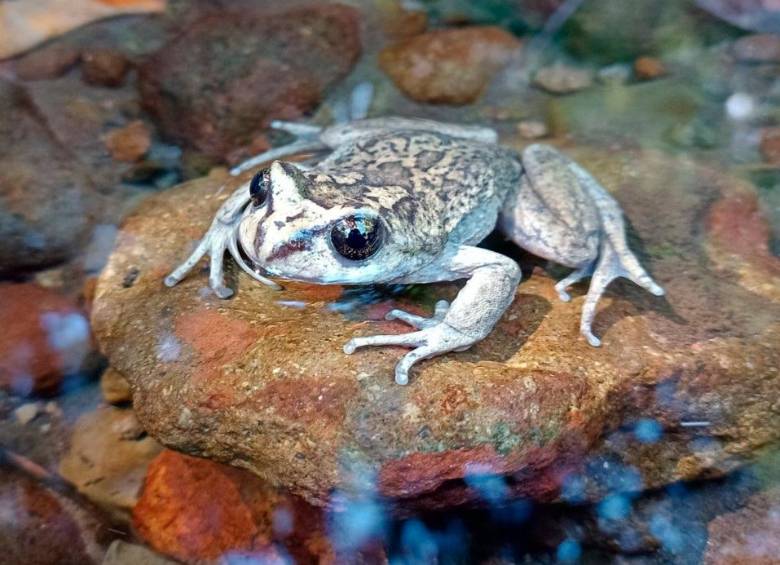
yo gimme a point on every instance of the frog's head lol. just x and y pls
(289, 236)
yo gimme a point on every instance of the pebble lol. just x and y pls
(532, 129)
(129, 143)
(115, 388)
(26, 413)
(104, 67)
(563, 79)
(649, 68)
(448, 66)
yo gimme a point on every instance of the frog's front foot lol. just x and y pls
(221, 237)
(434, 338)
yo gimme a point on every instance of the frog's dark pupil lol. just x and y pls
(258, 188)
(357, 237)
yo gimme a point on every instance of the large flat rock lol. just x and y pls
(260, 381)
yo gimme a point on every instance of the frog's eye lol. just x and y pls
(357, 237)
(260, 186)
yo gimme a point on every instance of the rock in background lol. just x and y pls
(216, 86)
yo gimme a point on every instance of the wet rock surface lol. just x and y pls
(73, 535)
(452, 66)
(748, 535)
(260, 63)
(45, 211)
(260, 381)
(107, 460)
(46, 338)
(197, 510)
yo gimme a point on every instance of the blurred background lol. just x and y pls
(660, 448)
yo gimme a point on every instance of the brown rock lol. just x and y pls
(255, 383)
(260, 63)
(104, 67)
(563, 79)
(115, 388)
(129, 143)
(758, 48)
(108, 457)
(196, 510)
(449, 66)
(46, 338)
(748, 536)
(398, 22)
(41, 526)
(649, 68)
(77, 117)
(47, 62)
(45, 211)
(770, 145)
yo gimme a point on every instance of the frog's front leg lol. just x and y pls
(479, 305)
(221, 237)
(560, 212)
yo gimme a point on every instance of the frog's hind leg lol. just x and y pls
(615, 258)
(560, 212)
(308, 136)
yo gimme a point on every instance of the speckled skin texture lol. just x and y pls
(433, 191)
(260, 381)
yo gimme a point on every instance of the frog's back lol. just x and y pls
(430, 185)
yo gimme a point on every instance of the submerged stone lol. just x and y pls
(260, 381)
(262, 63)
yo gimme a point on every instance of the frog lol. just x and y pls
(397, 200)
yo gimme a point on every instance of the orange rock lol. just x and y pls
(130, 142)
(194, 509)
(450, 66)
(45, 337)
(648, 68)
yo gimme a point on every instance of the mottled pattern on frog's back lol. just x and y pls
(424, 184)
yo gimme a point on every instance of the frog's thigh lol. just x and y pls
(551, 214)
(557, 203)
(475, 311)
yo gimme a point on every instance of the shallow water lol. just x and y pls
(142, 422)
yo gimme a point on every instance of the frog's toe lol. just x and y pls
(412, 339)
(573, 277)
(298, 129)
(429, 342)
(420, 322)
